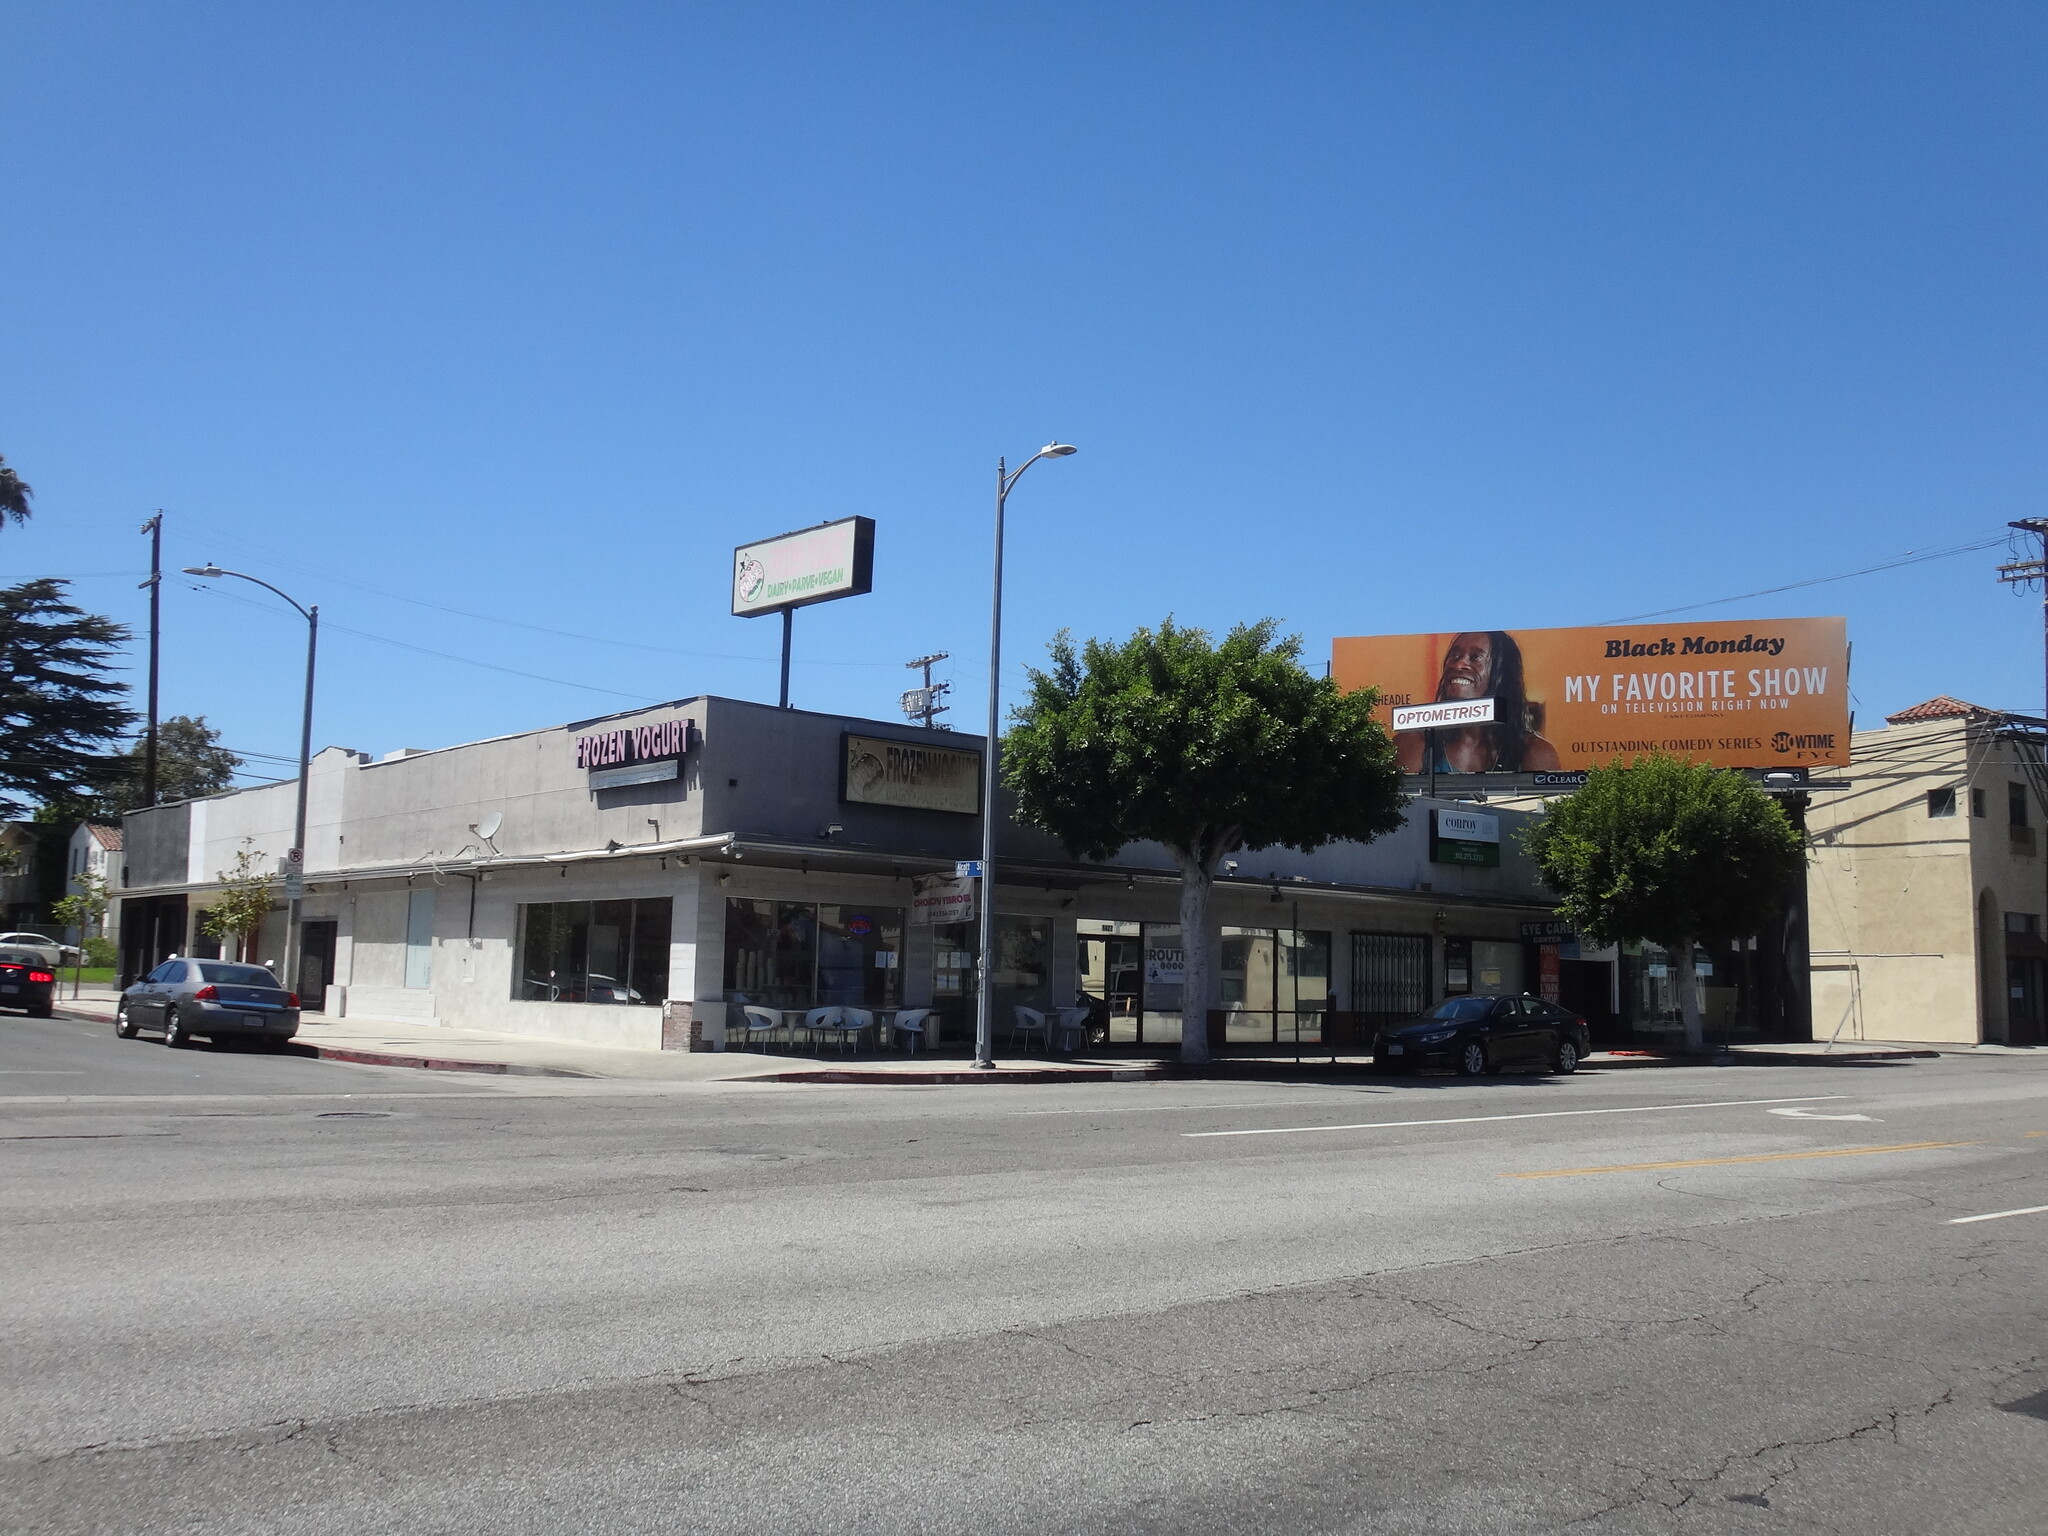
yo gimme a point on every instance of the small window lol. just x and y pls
(2024, 923)
(1976, 809)
(1941, 802)
(2016, 804)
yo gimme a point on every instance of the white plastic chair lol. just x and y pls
(853, 1023)
(1073, 1028)
(759, 1023)
(821, 1020)
(911, 1022)
(1028, 1022)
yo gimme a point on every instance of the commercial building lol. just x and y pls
(1926, 884)
(625, 880)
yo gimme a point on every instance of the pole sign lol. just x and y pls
(811, 565)
(295, 874)
(1464, 837)
(1443, 716)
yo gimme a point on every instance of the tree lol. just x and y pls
(1204, 748)
(1669, 851)
(85, 909)
(60, 711)
(190, 762)
(14, 495)
(237, 913)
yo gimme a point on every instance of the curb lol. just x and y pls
(844, 1075)
(429, 1063)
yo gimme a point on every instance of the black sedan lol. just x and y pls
(26, 982)
(215, 998)
(1476, 1035)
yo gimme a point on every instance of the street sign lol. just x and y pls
(967, 869)
(1445, 714)
(295, 874)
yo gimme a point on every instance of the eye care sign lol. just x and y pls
(1768, 693)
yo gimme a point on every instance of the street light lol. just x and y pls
(985, 1010)
(295, 861)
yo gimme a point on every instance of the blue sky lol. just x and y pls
(1373, 318)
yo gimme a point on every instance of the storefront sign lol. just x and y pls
(1464, 837)
(634, 744)
(1165, 964)
(1549, 930)
(935, 900)
(1766, 694)
(909, 774)
(812, 565)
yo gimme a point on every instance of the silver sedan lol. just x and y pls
(215, 998)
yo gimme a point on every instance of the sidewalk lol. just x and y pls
(398, 1043)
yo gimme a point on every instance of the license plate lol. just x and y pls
(10, 987)
(1394, 1050)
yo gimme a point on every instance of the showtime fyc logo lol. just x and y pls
(1785, 741)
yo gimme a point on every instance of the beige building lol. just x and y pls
(1927, 886)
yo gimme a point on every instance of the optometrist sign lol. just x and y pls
(1764, 694)
(811, 565)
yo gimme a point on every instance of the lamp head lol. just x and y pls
(1058, 451)
(204, 570)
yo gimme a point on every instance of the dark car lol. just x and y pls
(215, 998)
(26, 982)
(1475, 1035)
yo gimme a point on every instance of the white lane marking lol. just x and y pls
(39, 1072)
(1153, 1109)
(1541, 1114)
(1807, 1114)
(2025, 1210)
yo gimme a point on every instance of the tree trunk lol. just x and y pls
(1195, 882)
(1689, 997)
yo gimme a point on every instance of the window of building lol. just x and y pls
(1941, 802)
(1275, 983)
(799, 954)
(1390, 973)
(2016, 804)
(594, 952)
(1977, 803)
(419, 939)
(2027, 923)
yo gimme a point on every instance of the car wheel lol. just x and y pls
(176, 1036)
(1472, 1060)
(124, 1026)
(1567, 1056)
(44, 1012)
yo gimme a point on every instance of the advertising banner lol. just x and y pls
(934, 900)
(811, 565)
(910, 774)
(1753, 694)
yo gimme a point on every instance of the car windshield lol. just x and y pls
(1461, 1010)
(10, 958)
(236, 975)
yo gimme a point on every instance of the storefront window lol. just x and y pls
(1108, 967)
(1275, 984)
(594, 952)
(953, 951)
(1165, 968)
(793, 954)
(1023, 966)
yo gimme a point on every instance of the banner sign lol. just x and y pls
(1430, 717)
(1761, 694)
(635, 754)
(935, 900)
(912, 775)
(1464, 837)
(812, 565)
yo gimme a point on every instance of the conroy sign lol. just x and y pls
(1464, 837)
(812, 565)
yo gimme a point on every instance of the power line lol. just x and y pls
(1909, 558)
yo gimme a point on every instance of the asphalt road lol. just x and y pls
(245, 1293)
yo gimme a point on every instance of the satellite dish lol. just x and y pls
(487, 828)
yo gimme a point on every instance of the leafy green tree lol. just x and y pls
(1204, 748)
(190, 762)
(1669, 851)
(236, 914)
(84, 909)
(60, 710)
(14, 495)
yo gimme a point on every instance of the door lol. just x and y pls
(316, 962)
(148, 1007)
(1512, 1033)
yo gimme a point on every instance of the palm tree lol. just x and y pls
(14, 494)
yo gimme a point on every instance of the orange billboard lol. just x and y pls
(1766, 694)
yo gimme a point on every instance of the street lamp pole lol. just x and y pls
(984, 969)
(295, 860)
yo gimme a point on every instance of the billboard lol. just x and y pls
(812, 565)
(1764, 694)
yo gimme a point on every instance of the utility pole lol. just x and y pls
(155, 529)
(2022, 573)
(922, 704)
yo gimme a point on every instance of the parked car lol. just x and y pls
(1475, 1035)
(218, 999)
(26, 982)
(48, 950)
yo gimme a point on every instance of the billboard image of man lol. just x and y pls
(1481, 664)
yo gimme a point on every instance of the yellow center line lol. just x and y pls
(1754, 1157)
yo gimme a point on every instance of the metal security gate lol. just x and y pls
(1389, 976)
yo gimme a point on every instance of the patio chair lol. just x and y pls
(853, 1023)
(1028, 1022)
(821, 1021)
(758, 1023)
(1072, 1028)
(912, 1022)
